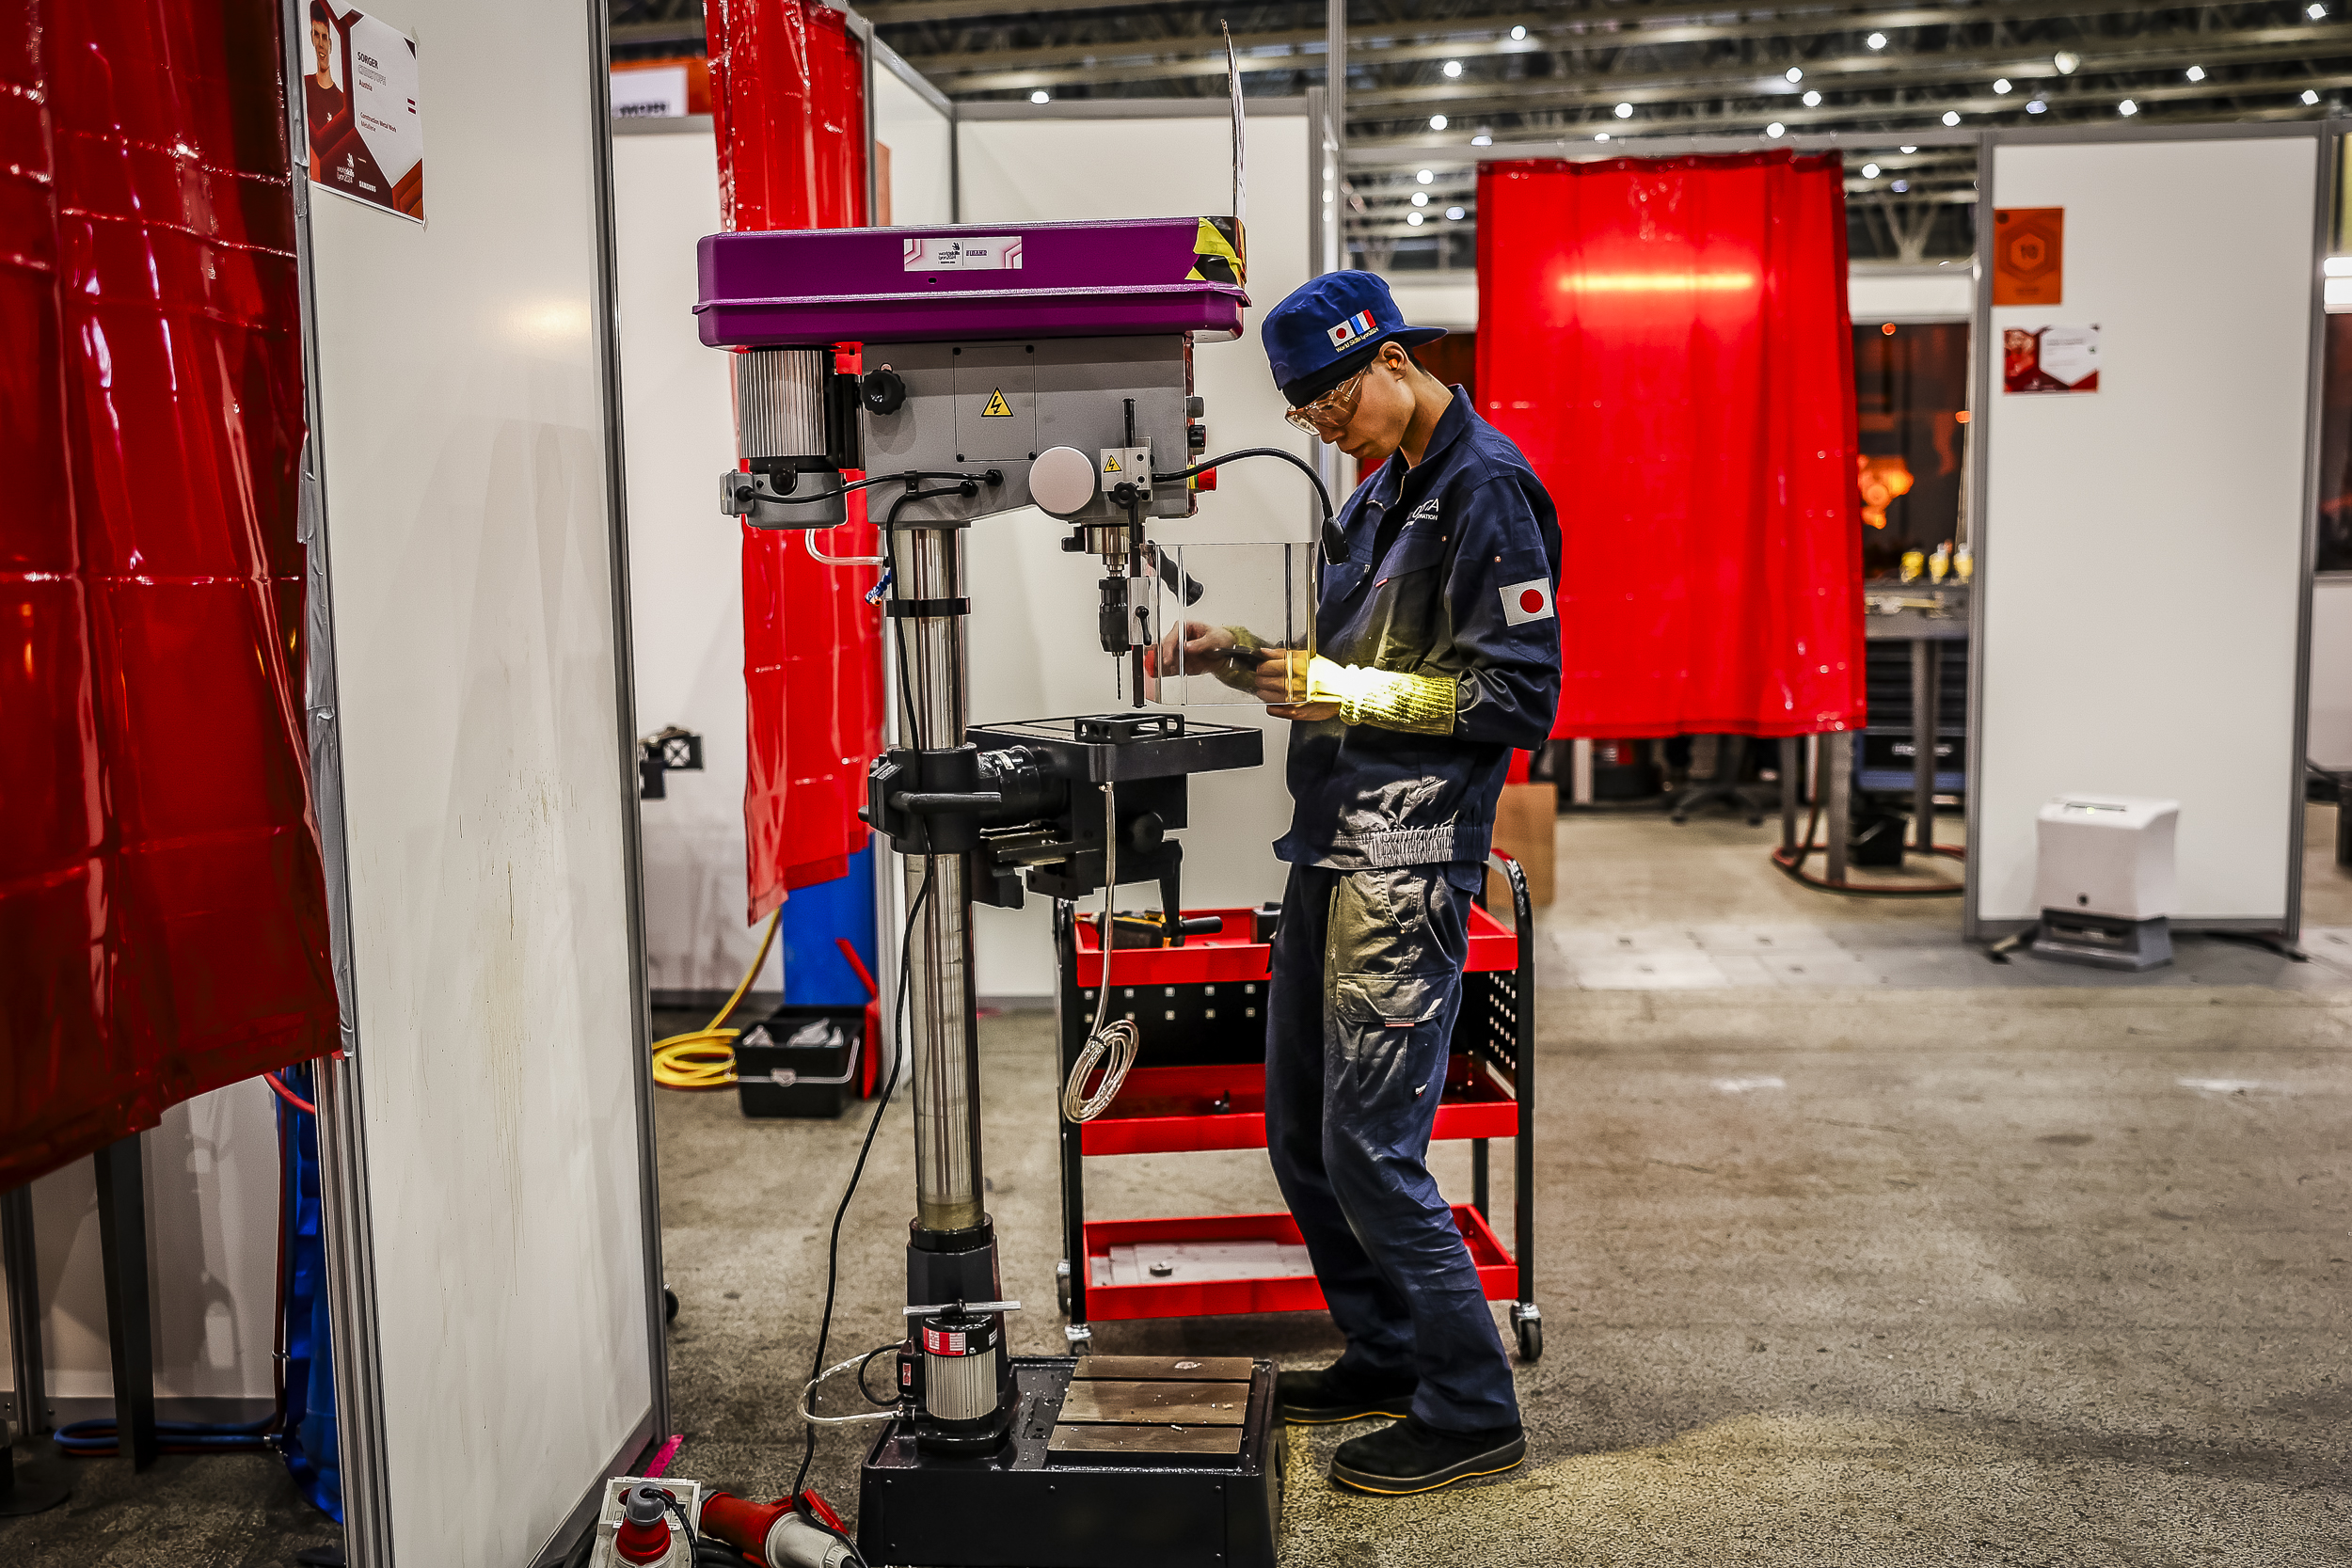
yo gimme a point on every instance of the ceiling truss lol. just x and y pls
(1425, 77)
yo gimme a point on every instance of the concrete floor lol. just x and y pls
(1986, 1270)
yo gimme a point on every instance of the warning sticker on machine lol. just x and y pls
(997, 408)
(964, 253)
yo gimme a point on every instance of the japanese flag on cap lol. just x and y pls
(1527, 601)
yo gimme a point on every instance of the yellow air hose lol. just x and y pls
(704, 1058)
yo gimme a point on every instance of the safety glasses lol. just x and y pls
(1329, 414)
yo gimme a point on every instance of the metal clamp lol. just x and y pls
(969, 1308)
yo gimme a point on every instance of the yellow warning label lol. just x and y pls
(1110, 465)
(997, 408)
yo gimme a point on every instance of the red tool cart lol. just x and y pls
(1198, 1082)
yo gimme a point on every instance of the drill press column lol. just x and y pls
(966, 1385)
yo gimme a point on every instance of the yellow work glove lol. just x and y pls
(1422, 704)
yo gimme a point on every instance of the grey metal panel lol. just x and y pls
(1979, 394)
(344, 1226)
(2331, 134)
(1124, 109)
(1073, 387)
(1652, 146)
(660, 125)
(608, 331)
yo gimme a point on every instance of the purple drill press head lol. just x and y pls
(1116, 278)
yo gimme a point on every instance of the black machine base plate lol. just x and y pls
(1114, 748)
(1023, 1508)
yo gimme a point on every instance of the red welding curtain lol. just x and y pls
(163, 920)
(1666, 340)
(788, 93)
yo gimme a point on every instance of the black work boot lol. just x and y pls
(1414, 1456)
(1340, 1393)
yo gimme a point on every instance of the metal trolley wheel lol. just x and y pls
(1528, 1321)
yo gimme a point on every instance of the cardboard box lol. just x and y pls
(1525, 820)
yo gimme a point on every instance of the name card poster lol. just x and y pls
(360, 107)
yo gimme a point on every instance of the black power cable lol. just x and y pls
(1333, 546)
(875, 479)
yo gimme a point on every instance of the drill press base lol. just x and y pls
(1146, 1462)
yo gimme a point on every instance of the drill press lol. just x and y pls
(1045, 364)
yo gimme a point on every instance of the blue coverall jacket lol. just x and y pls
(1450, 597)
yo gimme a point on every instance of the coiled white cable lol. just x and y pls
(1118, 1043)
(808, 1399)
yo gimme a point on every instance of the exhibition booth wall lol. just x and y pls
(2143, 521)
(493, 1240)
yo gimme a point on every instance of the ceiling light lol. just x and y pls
(1774, 130)
(1795, 75)
(1812, 100)
(2037, 106)
(2309, 97)
(1482, 140)
(1876, 41)
(1518, 33)
(1413, 219)
(2197, 74)
(1625, 111)
(1952, 117)
(1041, 96)
(1455, 215)
(2127, 108)
(2001, 84)
(1454, 67)
(1899, 186)
(1870, 172)
(1425, 177)
(2316, 13)
(1910, 150)
(1600, 135)
(1421, 199)
(1437, 122)
(2067, 61)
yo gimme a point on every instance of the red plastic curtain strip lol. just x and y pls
(163, 919)
(1667, 341)
(788, 94)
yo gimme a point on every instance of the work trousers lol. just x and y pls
(1367, 980)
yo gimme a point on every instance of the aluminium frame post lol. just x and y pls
(130, 1311)
(20, 1264)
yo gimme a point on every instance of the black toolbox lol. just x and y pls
(820, 1075)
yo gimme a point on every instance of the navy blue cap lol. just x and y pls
(1329, 328)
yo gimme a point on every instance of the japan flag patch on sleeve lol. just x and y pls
(1523, 602)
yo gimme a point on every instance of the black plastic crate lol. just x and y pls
(776, 1078)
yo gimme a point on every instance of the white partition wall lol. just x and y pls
(917, 123)
(494, 1263)
(686, 596)
(2143, 550)
(1033, 648)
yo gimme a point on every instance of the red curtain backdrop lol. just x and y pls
(1666, 340)
(787, 91)
(163, 919)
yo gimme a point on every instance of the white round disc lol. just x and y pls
(1061, 480)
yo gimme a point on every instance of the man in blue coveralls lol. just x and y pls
(1437, 653)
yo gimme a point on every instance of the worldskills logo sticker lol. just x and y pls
(1346, 332)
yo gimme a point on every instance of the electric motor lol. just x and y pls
(960, 1356)
(796, 428)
